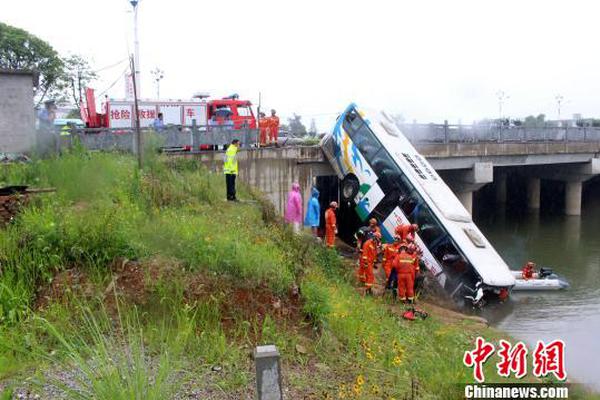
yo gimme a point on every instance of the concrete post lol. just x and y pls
(466, 198)
(573, 197)
(268, 373)
(501, 188)
(533, 193)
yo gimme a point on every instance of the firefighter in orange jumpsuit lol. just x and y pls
(263, 127)
(406, 231)
(330, 224)
(367, 262)
(528, 270)
(389, 253)
(273, 127)
(405, 265)
(374, 226)
(413, 250)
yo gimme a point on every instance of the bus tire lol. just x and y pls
(349, 187)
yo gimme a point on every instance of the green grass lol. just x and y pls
(201, 257)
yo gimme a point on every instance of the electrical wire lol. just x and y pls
(110, 66)
(115, 82)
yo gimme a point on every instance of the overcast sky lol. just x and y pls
(428, 60)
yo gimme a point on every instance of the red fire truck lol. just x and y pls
(229, 111)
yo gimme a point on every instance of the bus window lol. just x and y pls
(386, 170)
(366, 142)
(352, 122)
(386, 205)
(429, 228)
(449, 257)
(409, 204)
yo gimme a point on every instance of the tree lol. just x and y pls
(21, 50)
(77, 75)
(296, 126)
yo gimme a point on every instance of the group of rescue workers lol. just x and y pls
(268, 129)
(400, 259)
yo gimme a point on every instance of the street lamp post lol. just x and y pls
(158, 75)
(502, 97)
(559, 99)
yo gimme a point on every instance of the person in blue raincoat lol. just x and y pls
(313, 212)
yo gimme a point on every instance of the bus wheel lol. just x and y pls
(350, 187)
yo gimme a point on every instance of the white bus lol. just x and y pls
(384, 177)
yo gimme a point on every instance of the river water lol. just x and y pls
(571, 246)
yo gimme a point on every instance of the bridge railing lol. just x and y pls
(124, 139)
(447, 133)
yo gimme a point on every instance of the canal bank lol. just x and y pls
(569, 245)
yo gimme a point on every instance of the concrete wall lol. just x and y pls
(274, 170)
(17, 118)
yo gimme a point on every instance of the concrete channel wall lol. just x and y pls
(273, 170)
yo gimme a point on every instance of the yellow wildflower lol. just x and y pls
(360, 380)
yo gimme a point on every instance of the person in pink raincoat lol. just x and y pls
(293, 209)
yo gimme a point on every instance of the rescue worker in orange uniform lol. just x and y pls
(528, 270)
(405, 265)
(273, 127)
(412, 249)
(374, 226)
(263, 127)
(406, 231)
(330, 224)
(367, 262)
(389, 253)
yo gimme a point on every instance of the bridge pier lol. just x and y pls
(533, 193)
(466, 198)
(501, 188)
(573, 197)
(466, 181)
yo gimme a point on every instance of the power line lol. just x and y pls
(111, 66)
(115, 82)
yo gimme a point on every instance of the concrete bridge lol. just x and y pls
(467, 158)
(466, 167)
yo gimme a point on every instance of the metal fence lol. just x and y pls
(446, 133)
(172, 137)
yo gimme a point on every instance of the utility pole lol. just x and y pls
(559, 99)
(139, 143)
(158, 74)
(136, 45)
(502, 97)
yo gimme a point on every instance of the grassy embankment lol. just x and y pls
(127, 284)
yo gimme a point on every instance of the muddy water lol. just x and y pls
(571, 246)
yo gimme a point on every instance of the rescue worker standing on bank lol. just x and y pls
(405, 265)
(274, 128)
(331, 224)
(390, 251)
(230, 168)
(367, 262)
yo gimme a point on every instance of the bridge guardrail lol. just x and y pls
(447, 133)
(125, 139)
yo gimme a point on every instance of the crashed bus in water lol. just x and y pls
(385, 177)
